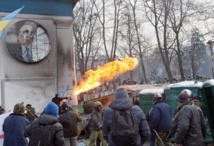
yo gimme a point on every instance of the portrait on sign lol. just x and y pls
(28, 41)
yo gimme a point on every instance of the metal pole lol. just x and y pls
(73, 54)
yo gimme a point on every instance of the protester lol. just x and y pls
(31, 113)
(161, 122)
(57, 100)
(197, 101)
(137, 102)
(69, 120)
(2, 110)
(49, 118)
(123, 102)
(14, 126)
(188, 124)
(96, 125)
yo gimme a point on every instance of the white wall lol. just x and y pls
(38, 83)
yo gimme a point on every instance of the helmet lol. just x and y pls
(97, 103)
(187, 92)
(157, 96)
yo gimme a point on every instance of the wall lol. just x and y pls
(37, 83)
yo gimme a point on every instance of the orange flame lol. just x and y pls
(93, 79)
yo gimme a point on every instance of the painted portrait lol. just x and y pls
(28, 41)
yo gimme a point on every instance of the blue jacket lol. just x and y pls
(125, 103)
(161, 117)
(14, 127)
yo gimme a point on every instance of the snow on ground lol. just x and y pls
(85, 142)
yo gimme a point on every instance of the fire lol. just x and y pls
(94, 78)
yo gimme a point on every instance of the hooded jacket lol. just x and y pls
(120, 102)
(69, 120)
(49, 118)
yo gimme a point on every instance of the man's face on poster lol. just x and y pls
(26, 33)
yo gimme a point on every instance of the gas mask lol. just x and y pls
(99, 108)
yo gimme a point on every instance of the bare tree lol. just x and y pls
(157, 13)
(179, 12)
(139, 44)
(130, 35)
(86, 33)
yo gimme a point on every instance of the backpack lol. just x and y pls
(41, 136)
(124, 128)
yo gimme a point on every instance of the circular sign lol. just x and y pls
(28, 41)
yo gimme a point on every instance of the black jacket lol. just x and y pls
(69, 120)
(190, 126)
(57, 128)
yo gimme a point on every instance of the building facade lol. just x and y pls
(36, 59)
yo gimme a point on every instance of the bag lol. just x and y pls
(124, 128)
(41, 136)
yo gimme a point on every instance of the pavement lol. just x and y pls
(85, 142)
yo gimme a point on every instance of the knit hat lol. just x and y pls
(182, 97)
(19, 108)
(121, 93)
(52, 109)
(97, 103)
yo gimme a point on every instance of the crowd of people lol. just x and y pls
(122, 123)
(187, 125)
(56, 126)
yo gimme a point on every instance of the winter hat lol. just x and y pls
(19, 108)
(64, 106)
(188, 92)
(52, 109)
(97, 103)
(182, 97)
(157, 96)
(121, 93)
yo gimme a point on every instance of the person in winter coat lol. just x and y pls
(14, 127)
(96, 125)
(197, 101)
(31, 113)
(50, 117)
(69, 120)
(123, 102)
(57, 100)
(161, 121)
(188, 123)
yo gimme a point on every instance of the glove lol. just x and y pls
(100, 127)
